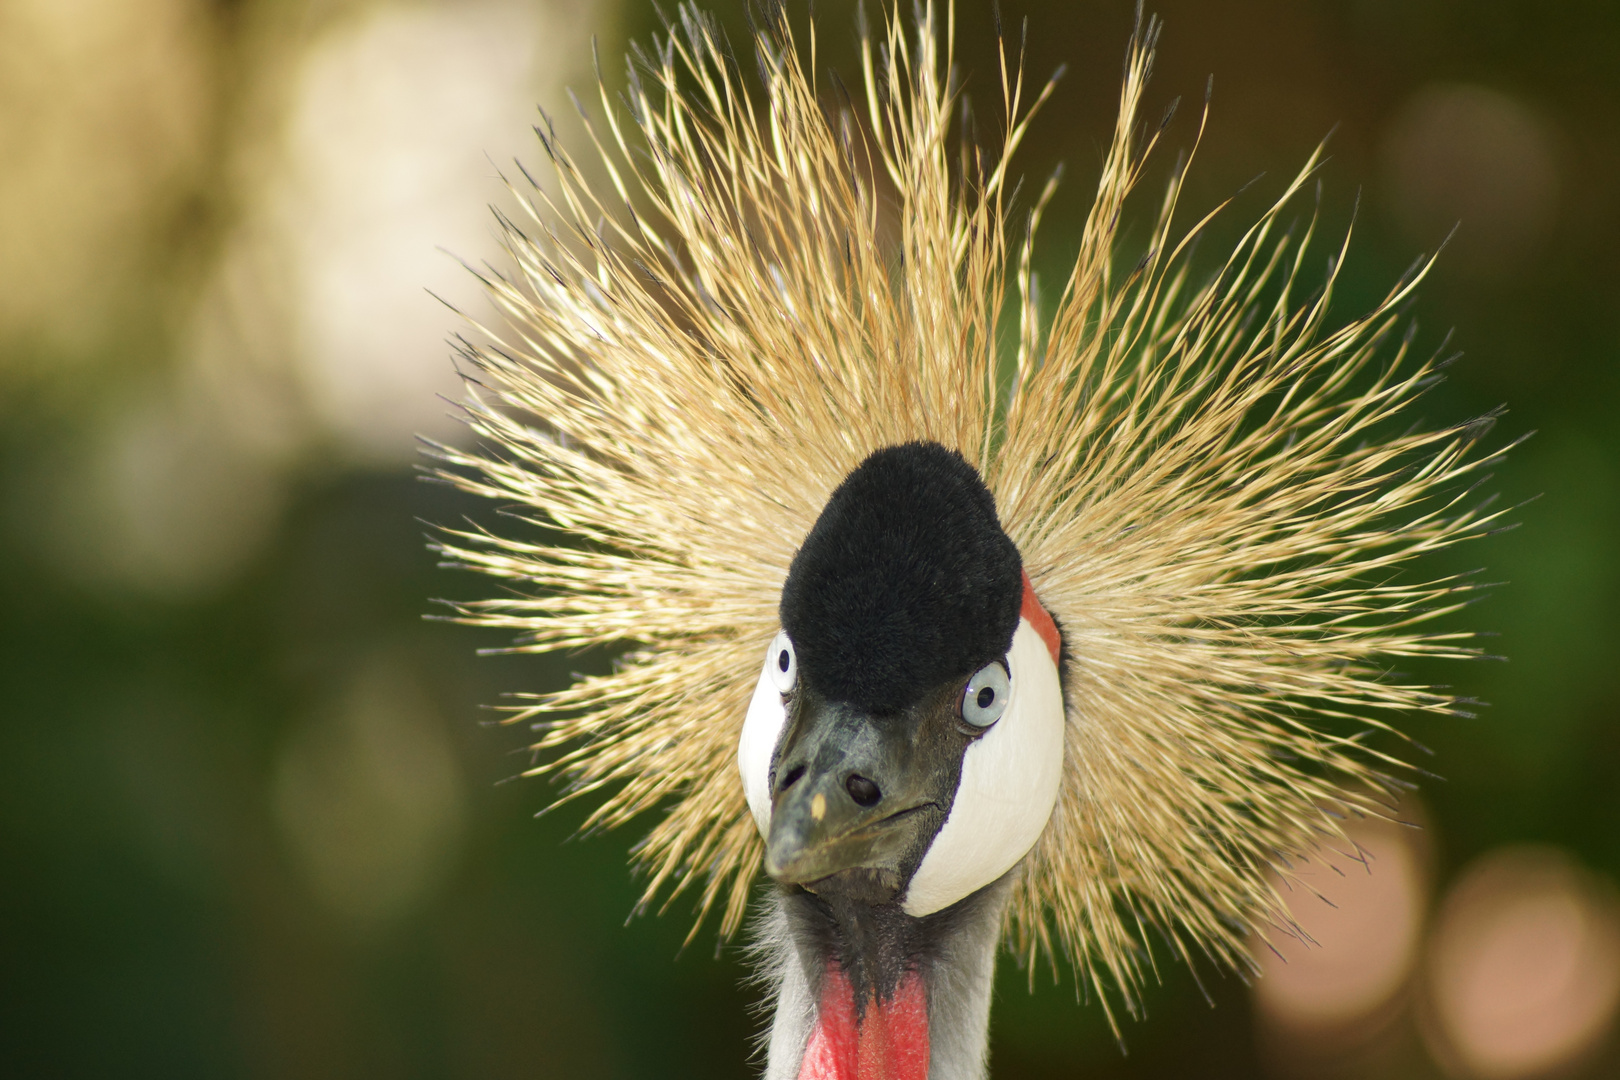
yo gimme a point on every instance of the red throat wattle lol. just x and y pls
(890, 1039)
(888, 1042)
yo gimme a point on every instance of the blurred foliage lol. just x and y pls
(176, 748)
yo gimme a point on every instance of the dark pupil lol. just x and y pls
(986, 696)
(782, 660)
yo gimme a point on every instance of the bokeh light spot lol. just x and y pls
(1524, 968)
(369, 797)
(1473, 157)
(162, 501)
(106, 110)
(1359, 909)
(377, 178)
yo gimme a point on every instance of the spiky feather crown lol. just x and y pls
(1198, 476)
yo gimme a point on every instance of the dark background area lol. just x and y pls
(185, 756)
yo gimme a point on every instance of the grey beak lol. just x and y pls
(853, 791)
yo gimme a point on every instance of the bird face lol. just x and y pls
(905, 738)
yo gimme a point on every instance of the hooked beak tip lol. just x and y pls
(814, 838)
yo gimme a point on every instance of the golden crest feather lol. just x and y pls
(1197, 475)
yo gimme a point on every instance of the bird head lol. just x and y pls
(1200, 475)
(905, 738)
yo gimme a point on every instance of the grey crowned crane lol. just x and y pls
(1049, 623)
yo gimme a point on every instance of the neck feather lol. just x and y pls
(853, 981)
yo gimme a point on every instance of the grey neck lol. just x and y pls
(954, 950)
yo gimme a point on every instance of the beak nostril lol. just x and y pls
(862, 790)
(792, 777)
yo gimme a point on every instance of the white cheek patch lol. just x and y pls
(1009, 785)
(762, 730)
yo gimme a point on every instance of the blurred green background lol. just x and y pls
(252, 818)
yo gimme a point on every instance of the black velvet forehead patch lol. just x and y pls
(905, 581)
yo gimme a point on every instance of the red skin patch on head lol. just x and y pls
(889, 1042)
(1041, 621)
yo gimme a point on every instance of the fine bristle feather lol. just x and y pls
(1198, 475)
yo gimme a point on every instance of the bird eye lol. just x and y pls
(985, 697)
(782, 664)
